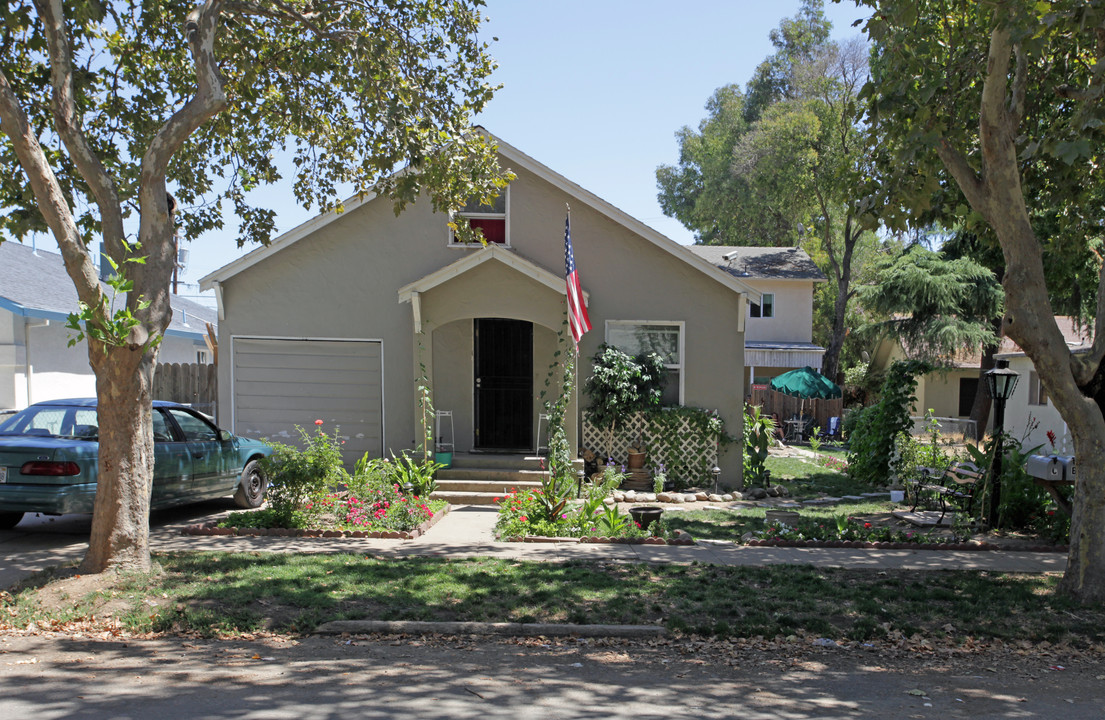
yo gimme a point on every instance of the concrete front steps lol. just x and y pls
(477, 478)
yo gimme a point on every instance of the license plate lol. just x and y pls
(3, 474)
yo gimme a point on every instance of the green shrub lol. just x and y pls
(297, 477)
(758, 430)
(871, 448)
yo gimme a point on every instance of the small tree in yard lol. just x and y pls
(106, 108)
(621, 385)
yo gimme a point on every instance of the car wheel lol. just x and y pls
(251, 489)
(8, 520)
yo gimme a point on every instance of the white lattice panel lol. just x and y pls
(687, 457)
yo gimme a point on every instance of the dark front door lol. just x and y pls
(504, 384)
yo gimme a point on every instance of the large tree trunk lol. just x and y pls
(1074, 383)
(121, 518)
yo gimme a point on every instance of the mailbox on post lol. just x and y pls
(1046, 467)
(1070, 472)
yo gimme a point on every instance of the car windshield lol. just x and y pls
(52, 421)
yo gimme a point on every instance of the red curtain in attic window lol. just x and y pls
(494, 229)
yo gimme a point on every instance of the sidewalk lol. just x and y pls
(467, 532)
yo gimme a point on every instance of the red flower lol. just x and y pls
(523, 518)
(866, 526)
(318, 422)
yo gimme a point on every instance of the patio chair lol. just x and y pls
(832, 432)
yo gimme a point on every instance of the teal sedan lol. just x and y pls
(49, 453)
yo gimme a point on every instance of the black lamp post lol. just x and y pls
(1001, 381)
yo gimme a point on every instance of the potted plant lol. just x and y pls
(635, 461)
(621, 385)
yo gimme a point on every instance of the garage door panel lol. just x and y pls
(308, 363)
(281, 383)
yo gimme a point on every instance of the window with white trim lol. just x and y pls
(763, 309)
(201, 357)
(491, 220)
(634, 337)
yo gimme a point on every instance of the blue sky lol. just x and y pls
(596, 90)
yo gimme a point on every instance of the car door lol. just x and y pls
(213, 471)
(172, 467)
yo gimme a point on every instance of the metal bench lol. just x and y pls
(959, 482)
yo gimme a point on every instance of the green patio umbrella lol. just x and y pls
(805, 383)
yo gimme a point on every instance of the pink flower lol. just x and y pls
(318, 422)
(523, 518)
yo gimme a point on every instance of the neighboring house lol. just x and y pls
(950, 390)
(36, 362)
(779, 334)
(340, 317)
(1029, 414)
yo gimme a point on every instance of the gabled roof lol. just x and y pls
(519, 159)
(33, 283)
(474, 259)
(761, 263)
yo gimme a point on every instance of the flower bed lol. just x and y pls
(552, 512)
(216, 528)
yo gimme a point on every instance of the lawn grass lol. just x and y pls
(228, 594)
(732, 524)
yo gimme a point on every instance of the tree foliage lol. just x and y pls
(782, 163)
(1004, 99)
(937, 307)
(156, 114)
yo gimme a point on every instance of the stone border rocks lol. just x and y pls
(211, 528)
(885, 545)
(681, 537)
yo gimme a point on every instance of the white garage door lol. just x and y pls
(280, 383)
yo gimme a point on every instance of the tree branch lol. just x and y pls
(68, 125)
(964, 174)
(49, 195)
(284, 11)
(1085, 365)
(1020, 83)
(210, 97)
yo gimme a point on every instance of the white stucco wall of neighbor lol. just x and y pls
(37, 364)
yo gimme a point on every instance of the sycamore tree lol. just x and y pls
(124, 122)
(1005, 99)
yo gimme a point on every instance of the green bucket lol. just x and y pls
(444, 458)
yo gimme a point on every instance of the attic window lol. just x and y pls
(489, 219)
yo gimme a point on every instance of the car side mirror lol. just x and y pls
(225, 436)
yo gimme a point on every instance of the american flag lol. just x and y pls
(577, 311)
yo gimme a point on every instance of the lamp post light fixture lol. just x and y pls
(716, 472)
(1000, 382)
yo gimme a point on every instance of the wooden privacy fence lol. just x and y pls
(188, 383)
(787, 406)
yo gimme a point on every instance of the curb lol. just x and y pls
(424, 627)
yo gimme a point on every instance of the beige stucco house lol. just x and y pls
(779, 332)
(949, 392)
(338, 318)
